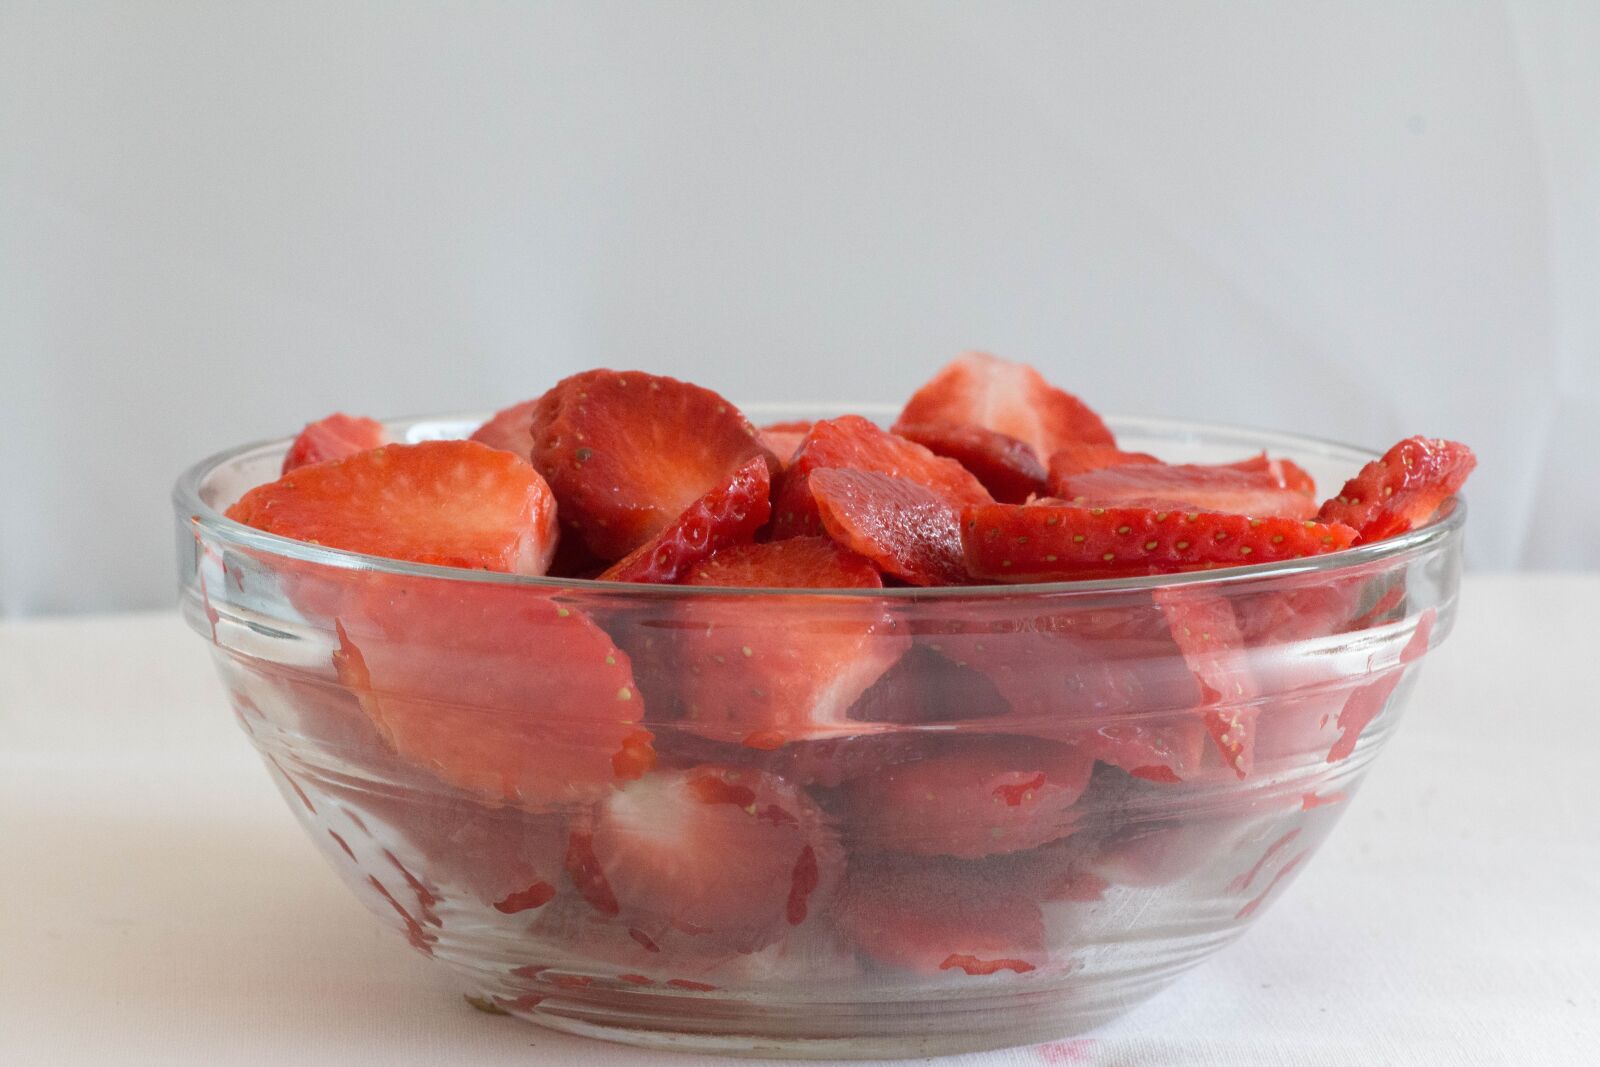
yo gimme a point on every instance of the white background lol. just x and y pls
(218, 221)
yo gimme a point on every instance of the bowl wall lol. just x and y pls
(902, 822)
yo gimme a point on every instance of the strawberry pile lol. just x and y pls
(707, 778)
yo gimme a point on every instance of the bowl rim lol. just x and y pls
(192, 508)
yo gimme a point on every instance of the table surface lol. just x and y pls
(159, 906)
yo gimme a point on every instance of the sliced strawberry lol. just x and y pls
(510, 429)
(1192, 486)
(502, 691)
(1009, 398)
(451, 503)
(627, 453)
(1050, 541)
(1401, 490)
(730, 855)
(728, 515)
(335, 437)
(1007, 467)
(1166, 749)
(1368, 702)
(939, 916)
(1073, 459)
(783, 438)
(1286, 473)
(980, 797)
(447, 848)
(910, 531)
(785, 668)
(1207, 633)
(855, 443)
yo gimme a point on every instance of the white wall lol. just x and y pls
(220, 220)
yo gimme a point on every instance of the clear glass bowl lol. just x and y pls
(1007, 817)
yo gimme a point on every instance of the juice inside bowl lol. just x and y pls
(866, 819)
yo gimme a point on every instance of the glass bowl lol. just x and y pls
(857, 823)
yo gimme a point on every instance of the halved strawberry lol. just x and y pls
(1401, 490)
(1207, 633)
(1010, 398)
(1073, 459)
(452, 503)
(729, 514)
(627, 453)
(502, 691)
(1186, 486)
(909, 530)
(731, 855)
(853, 442)
(335, 437)
(510, 429)
(1051, 541)
(978, 797)
(1007, 467)
(935, 916)
(782, 668)
(783, 438)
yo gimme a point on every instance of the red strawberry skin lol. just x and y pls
(1402, 489)
(626, 453)
(1008, 468)
(1010, 398)
(940, 917)
(980, 797)
(1192, 486)
(1073, 459)
(510, 429)
(450, 503)
(853, 442)
(767, 673)
(729, 514)
(908, 530)
(1056, 542)
(335, 437)
(504, 692)
(719, 855)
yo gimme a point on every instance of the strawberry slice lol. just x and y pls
(1285, 473)
(1207, 633)
(786, 668)
(1368, 702)
(1401, 490)
(335, 437)
(510, 429)
(1007, 467)
(627, 453)
(1186, 486)
(730, 856)
(855, 443)
(980, 797)
(502, 691)
(1051, 541)
(1073, 459)
(1010, 398)
(729, 514)
(450, 503)
(910, 531)
(447, 847)
(940, 916)
(783, 439)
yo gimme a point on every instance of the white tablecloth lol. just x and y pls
(159, 906)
